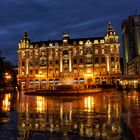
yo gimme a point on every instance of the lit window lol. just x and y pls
(103, 51)
(81, 51)
(43, 62)
(56, 44)
(74, 51)
(89, 60)
(111, 49)
(96, 41)
(50, 44)
(88, 50)
(102, 41)
(80, 42)
(56, 71)
(65, 61)
(96, 51)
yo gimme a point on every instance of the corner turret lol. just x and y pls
(111, 36)
(25, 41)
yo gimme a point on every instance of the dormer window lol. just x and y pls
(96, 41)
(102, 41)
(56, 44)
(50, 44)
(80, 42)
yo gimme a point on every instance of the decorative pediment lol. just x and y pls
(88, 43)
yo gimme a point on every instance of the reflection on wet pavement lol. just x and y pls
(99, 117)
(96, 116)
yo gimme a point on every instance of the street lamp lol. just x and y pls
(7, 77)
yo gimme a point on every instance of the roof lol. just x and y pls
(70, 41)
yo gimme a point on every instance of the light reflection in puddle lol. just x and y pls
(96, 116)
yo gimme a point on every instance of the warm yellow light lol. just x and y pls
(6, 102)
(89, 103)
(7, 75)
(40, 104)
(88, 75)
(88, 71)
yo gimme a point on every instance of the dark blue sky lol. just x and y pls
(49, 19)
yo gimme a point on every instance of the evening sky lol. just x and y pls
(49, 19)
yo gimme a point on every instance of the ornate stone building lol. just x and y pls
(80, 62)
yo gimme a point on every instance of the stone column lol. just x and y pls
(70, 65)
(61, 63)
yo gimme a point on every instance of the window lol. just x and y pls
(89, 60)
(112, 59)
(51, 62)
(103, 59)
(56, 71)
(36, 53)
(81, 60)
(81, 80)
(65, 52)
(36, 62)
(103, 51)
(23, 63)
(31, 63)
(96, 51)
(43, 53)
(36, 71)
(75, 70)
(65, 61)
(56, 52)
(75, 61)
(81, 70)
(80, 42)
(111, 49)
(43, 62)
(56, 62)
(96, 60)
(81, 51)
(88, 50)
(31, 71)
(74, 51)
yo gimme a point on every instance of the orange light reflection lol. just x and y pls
(6, 102)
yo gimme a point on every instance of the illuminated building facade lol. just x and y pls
(80, 62)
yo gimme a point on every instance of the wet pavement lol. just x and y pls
(131, 112)
(110, 115)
